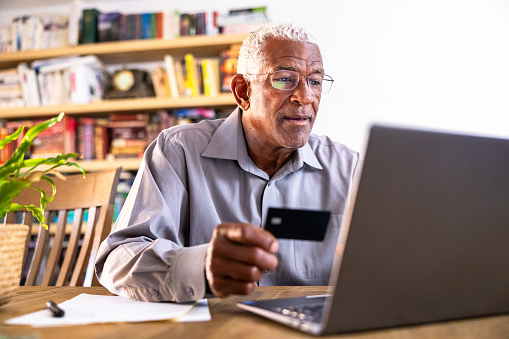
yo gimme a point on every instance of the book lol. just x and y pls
(9, 76)
(169, 64)
(159, 81)
(89, 32)
(74, 23)
(193, 81)
(122, 29)
(210, 76)
(180, 74)
(11, 91)
(146, 29)
(108, 26)
(130, 29)
(29, 85)
(5, 39)
(211, 27)
(159, 25)
(171, 24)
(228, 67)
(101, 139)
(86, 130)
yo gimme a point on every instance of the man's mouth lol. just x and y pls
(298, 120)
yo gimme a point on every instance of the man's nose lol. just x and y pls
(302, 93)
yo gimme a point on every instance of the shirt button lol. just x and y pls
(190, 291)
(155, 293)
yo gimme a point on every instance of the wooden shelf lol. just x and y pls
(119, 105)
(119, 52)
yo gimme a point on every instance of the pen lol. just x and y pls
(55, 310)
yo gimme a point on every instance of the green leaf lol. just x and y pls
(37, 212)
(11, 137)
(8, 191)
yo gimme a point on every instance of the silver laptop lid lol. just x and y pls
(429, 235)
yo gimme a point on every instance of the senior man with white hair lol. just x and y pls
(192, 224)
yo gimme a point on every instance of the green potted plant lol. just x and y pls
(17, 174)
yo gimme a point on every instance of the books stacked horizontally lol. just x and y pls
(129, 136)
(60, 138)
(11, 94)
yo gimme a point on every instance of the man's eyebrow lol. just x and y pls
(285, 68)
(290, 68)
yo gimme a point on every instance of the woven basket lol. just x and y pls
(12, 248)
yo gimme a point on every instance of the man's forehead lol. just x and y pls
(281, 53)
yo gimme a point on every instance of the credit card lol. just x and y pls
(297, 224)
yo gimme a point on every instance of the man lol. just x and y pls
(193, 220)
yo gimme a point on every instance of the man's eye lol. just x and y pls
(314, 81)
(284, 79)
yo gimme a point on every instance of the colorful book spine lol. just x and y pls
(89, 32)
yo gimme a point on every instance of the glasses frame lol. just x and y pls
(306, 77)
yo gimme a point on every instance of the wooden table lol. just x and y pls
(228, 321)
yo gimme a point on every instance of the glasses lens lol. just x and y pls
(315, 82)
(285, 80)
(327, 83)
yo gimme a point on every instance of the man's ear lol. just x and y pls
(240, 89)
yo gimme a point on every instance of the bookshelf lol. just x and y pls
(120, 52)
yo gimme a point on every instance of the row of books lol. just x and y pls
(190, 76)
(115, 137)
(114, 26)
(85, 79)
(99, 26)
(32, 32)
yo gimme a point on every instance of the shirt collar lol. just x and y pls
(228, 142)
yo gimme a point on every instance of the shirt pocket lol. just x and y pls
(313, 259)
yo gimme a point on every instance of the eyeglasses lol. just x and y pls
(288, 80)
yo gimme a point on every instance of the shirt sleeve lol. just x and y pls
(145, 257)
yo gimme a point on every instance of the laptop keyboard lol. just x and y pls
(308, 312)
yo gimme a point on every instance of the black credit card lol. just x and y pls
(298, 224)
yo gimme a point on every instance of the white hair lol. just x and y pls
(251, 57)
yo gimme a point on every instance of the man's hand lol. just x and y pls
(237, 257)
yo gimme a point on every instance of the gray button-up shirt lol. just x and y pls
(194, 177)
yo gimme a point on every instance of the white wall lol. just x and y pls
(439, 64)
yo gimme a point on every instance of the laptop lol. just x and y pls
(428, 239)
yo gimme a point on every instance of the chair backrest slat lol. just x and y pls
(72, 247)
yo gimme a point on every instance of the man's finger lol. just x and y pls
(250, 255)
(248, 234)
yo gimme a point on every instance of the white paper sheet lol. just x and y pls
(89, 309)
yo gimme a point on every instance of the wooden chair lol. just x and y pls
(72, 247)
